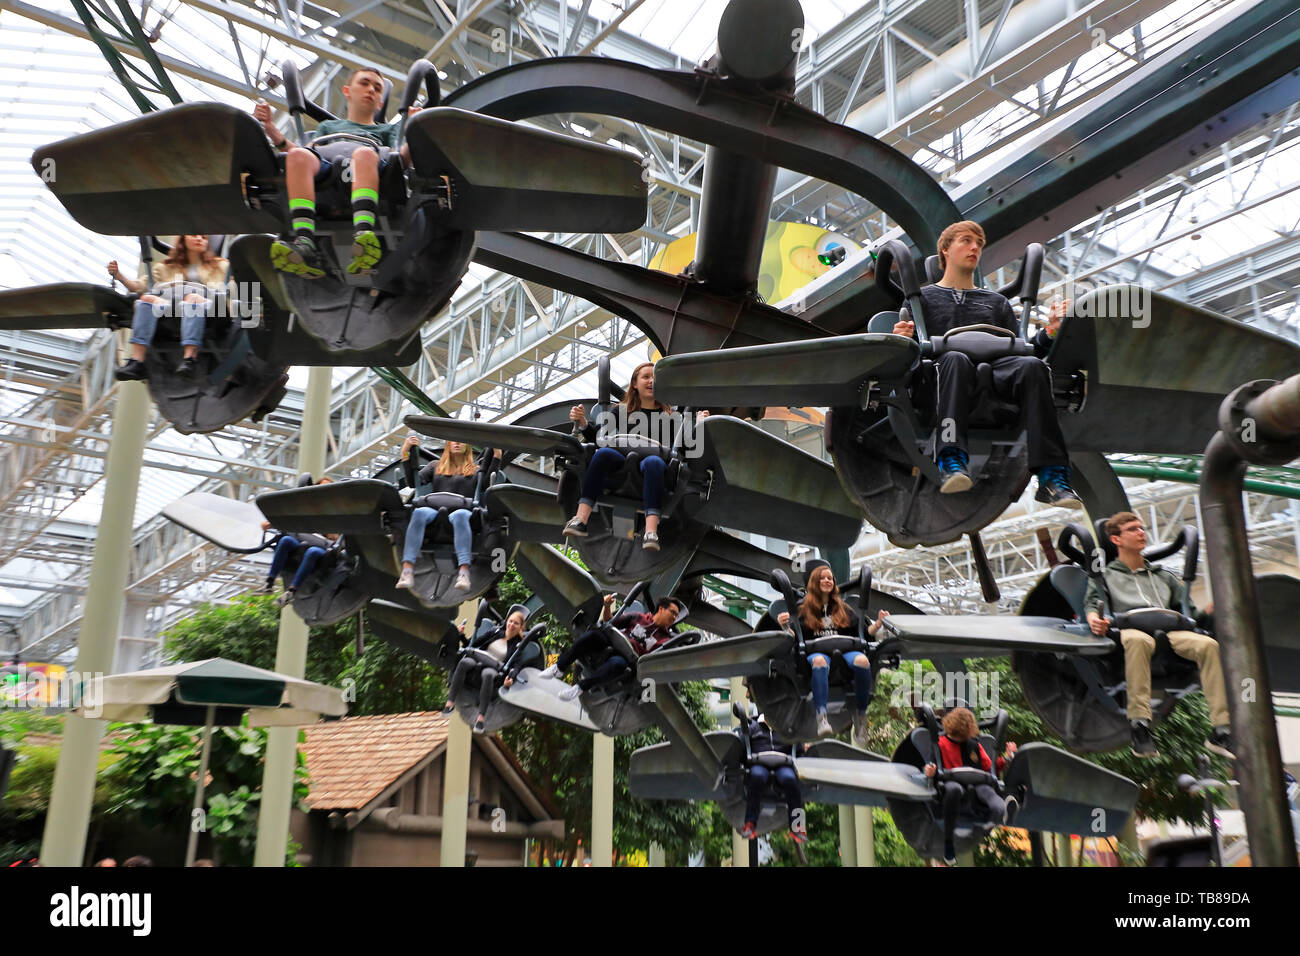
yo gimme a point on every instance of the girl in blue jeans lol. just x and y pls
(639, 398)
(823, 613)
(454, 477)
(189, 261)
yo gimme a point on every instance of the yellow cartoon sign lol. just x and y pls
(789, 260)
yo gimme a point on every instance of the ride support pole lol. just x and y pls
(291, 650)
(455, 777)
(1259, 423)
(602, 800)
(64, 840)
(739, 845)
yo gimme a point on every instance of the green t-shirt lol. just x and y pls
(385, 134)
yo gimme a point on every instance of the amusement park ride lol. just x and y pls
(1133, 371)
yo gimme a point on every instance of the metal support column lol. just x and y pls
(1259, 422)
(64, 841)
(602, 801)
(455, 777)
(291, 650)
(739, 845)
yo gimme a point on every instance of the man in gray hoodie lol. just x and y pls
(1133, 582)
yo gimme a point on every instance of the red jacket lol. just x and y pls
(950, 753)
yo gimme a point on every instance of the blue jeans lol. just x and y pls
(821, 680)
(284, 550)
(756, 782)
(606, 460)
(144, 322)
(461, 536)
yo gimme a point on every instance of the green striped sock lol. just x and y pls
(302, 214)
(365, 202)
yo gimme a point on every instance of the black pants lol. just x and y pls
(756, 781)
(1021, 379)
(590, 643)
(983, 796)
(487, 682)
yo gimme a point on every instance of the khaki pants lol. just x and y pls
(1138, 648)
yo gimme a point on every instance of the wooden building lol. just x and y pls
(377, 794)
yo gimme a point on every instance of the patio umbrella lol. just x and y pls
(212, 693)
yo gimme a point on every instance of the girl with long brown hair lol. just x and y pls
(639, 399)
(190, 261)
(823, 613)
(454, 477)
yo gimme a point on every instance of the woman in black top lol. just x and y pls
(822, 614)
(500, 643)
(454, 475)
(642, 414)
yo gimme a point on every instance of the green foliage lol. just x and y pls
(155, 777)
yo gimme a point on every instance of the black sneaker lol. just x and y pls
(187, 367)
(949, 854)
(1220, 743)
(1054, 487)
(267, 588)
(952, 469)
(132, 370)
(575, 528)
(1143, 745)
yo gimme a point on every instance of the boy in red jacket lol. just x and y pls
(959, 747)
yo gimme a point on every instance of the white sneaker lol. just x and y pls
(860, 730)
(462, 580)
(570, 693)
(406, 494)
(552, 671)
(823, 725)
(650, 541)
(407, 580)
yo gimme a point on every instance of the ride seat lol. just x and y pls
(933, 271)
(1071, 582)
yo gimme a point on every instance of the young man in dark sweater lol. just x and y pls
(1026, 380)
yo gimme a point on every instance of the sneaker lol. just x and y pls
(366, 253)
(406, 580)
(188, 366)
(552, 671)
(575, 528)
(1143, 745)
(952, 469)
(570, 693)
(748, 831)
(949, 854)
(1054, 487)
(285, 598)
(131, 370)
(266, 588)
(298, 257)
(860, 730)
(1220, 742)
(462, 580)
(406, 494)
(1013, 807)
(823, 725)
(650, 541)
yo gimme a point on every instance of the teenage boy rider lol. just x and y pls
(1133, 582)
(1026, 380)
(303, 168)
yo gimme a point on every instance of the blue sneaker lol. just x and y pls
(1054, 487)
(952, 469)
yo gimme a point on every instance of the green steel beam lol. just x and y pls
(1279, 482)
(98, 18)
